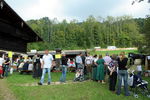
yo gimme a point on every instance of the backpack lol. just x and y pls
(88, 61)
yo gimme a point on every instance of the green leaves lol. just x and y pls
(119, 31)
(147, 34)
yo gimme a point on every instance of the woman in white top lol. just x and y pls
(94, 68)
(139, 71)
(1, 63)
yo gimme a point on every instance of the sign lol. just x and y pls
(57, 56)
(111, 47)
(10, 54)
(33, 51)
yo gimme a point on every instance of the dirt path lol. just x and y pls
(53, 83)
(5, 92)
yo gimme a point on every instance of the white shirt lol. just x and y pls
(79, 59)
(95, 60)
(1, 61)
(25, 60)
(47, 59)
(107, 59)
(139, 68)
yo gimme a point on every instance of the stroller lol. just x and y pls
(79, 76)
(138, 85)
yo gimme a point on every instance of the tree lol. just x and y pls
(134, 1)
(147, 35)
(120, 31)
(145, 44)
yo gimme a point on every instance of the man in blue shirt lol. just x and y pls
(79, 61)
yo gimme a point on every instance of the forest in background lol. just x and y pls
(123, 31)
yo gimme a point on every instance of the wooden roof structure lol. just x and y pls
(14, 32)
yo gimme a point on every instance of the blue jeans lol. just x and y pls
(43, 75)
(122, 74)
(139, 74)
(79, 65)
(6, 70)
(64, 71)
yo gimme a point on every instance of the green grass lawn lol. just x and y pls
(113, 52)
(1, 98)
(80, 91)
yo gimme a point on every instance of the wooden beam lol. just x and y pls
(12, 31)
(12, 44)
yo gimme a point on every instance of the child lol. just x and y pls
(139, 71)
(138, 68)
(78, 73)
(71, 65)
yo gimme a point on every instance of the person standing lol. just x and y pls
(122, 74)
(100, 69)
(112, 67)
(37, 71)
(13, 66)
(88, 64)
(83, 56)
(107, 60)
(46, 66)
(94, 68)
(64, 68)
(79, 62)
(6, 65)
(1, 65)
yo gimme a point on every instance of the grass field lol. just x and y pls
(113, 52)
(1, 98)
(80, 91)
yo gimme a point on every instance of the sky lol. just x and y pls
(77, 9)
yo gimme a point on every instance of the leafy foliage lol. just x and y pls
(146, 29)
(119, 31)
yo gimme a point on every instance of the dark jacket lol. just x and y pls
(64, 60)
(122, 63)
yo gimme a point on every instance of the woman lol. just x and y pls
(100, 69)
(94, 69)
(122, 74)
(88, 64)
(112, 67)
(37, 70)
(1, 64)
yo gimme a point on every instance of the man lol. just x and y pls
(6, 65)
(46, 66)
(88, 64)
(83, 61)
(107, 60)
(79, 61)
(83, 58)
(64, 61)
